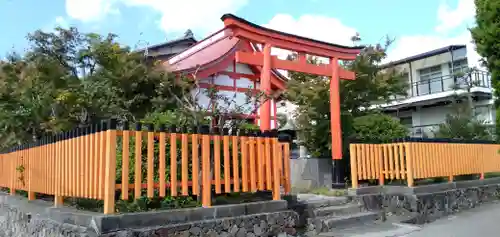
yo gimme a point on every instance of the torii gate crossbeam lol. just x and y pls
(243, 29)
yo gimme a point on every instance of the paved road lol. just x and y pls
(483, 221)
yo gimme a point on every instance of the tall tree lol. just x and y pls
(69, 78)
(463, 122)
(486, 35)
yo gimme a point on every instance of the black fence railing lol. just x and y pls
(448, 83)
(424, 131)
(430, 130)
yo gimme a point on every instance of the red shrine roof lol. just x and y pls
(205, 52)
(217, 52)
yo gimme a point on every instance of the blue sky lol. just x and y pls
(418, 26)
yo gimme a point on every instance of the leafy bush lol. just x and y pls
(462, 125)
(377, 128)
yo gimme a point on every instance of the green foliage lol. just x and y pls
(377, 128)
(68, 78)
(463, 124)
(486, 35)
(311, 94)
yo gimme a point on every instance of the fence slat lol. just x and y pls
(227, 165)
(195, 163)
(217, 165)
(354, 164)
(207, 186)
(244, 163)
(268, 157)
(173, 164)
(252, 161)
(150, 163)
(236, 176)
(138, 163)
(185, 156)
(162, 160)
(260, 164)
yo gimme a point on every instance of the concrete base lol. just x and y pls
(20, 217)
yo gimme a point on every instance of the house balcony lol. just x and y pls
(429, 131)
(424, 131)
(442, 88)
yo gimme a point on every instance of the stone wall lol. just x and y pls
(28, 220)
(310, 173)
(19, 217)
(267, 224)
(423, 204)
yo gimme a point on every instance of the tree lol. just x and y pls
(310, 94)
(68, 78)
(377, 127)
(463, 123)
(486, 36)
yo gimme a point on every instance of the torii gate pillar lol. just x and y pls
(268, 38)
(335, 128)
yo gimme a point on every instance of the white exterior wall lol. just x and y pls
(413, 68)
(240, 99)
(427, 119)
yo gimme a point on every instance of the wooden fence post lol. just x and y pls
(276, 168)
(205, 167)
(409, 163)
(12, 160)
(28, 170)
(59, 155)
(354, 165)
(110, 168)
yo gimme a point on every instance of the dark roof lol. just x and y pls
(189, 39)
(231, 16)
(425, 55)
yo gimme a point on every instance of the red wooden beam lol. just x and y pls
(257, 59)
(244, 29)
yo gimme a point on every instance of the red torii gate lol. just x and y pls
(269, 38)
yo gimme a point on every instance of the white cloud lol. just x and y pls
(179, 15)
(90, 10)
(175, 15)
(450, 19)
(451, 29)
(61, 22)
(317, 27)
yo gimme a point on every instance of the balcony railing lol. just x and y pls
(424, 131)
(448, 83)
(429, 131)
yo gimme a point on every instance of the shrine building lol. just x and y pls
(238, 57)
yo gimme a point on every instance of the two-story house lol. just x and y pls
(434, 79)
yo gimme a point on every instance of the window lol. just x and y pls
(406, 121)
(430, 80)
(430, 73)
(459, 66)
(482, 113)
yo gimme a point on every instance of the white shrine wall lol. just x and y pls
(232, 84)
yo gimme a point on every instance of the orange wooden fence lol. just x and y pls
(96, 163)
(422, 159)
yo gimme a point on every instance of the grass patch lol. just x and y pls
(328, 192)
